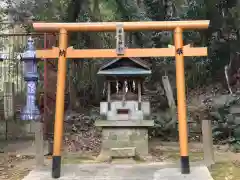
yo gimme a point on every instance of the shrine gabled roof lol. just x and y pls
(112, 67)
(143, 63)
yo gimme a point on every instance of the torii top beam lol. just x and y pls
(128, 26)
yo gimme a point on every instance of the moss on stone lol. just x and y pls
(175, 155)
(78, 159)
(225, 171)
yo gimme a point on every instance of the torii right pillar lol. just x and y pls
(181, 99)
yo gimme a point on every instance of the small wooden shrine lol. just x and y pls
(125, 116)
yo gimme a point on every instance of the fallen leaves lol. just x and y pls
(83, 136)
(9, 169)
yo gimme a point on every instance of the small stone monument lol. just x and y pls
(125, 117)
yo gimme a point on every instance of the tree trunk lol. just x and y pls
(74, 10)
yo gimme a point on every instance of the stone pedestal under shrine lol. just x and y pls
(124, 138)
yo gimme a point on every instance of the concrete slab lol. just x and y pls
(120, 172)
(197, 173)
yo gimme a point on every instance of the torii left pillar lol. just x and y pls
(59, 114)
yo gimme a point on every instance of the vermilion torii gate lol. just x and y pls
(63, 52)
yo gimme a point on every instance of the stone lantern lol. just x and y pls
(30, 111)
(125, 116)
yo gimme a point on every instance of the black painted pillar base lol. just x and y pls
(185, 169)
(56, 167)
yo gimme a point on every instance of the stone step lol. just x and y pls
(123, 161)
(123, 152)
